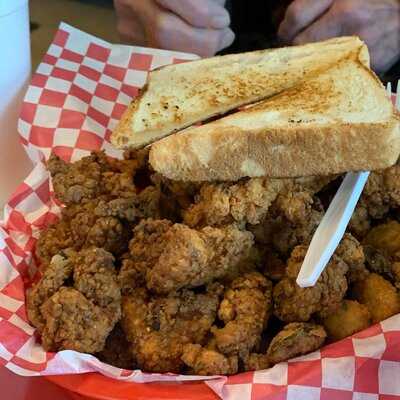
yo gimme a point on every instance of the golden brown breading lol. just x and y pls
(120, 211)
(352, 253)
(116, 351)
(78, 318)
(174, 256)
(350, 318)
(382, 248)
(274, 268)
(248, 200)
(295, 206)
(73, 322)
(286, 235)
(95, 277)
(203, 361)
(52, 240)
(245, 311)
(256, 362)
(379, 295)
(88, 229)
(294, 340)
(360, 222)
(291, 220)
(382, 191)
(380, 195)
(101, 223)
(224, 203)
(79, 181)
(180, 193)
(93, 177)
(385, 237)
(56, 273)
(145, 249)
(160, 327)
(293, 303)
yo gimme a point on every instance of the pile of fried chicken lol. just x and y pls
(200, 278)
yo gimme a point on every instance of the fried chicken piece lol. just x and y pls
(295, 206)
(146, 204)
(352, 253)
(173, 256)
(145, 249)
(378, 261)
(246, 201)
(379, 295)
(385, 237)
(57, 272)
(360, 222)
(203, 361)
(293, 303)
(292, 220)
(381, 194)
(97, 223)
(256, 362)
(116, 350)
(79, 181)
(118, 208)
(160, 327)
(78, 318)
(72, 322)
(382, 247)
(245, 310)
(224, 203)
(95, 277)
(350, 318)
(181, 193)
(274, 268)
(95, 176)
(88, 229)
(138, 158)
(130, 275)
(382, 191)
(52, 240)
(286, 235)
(295, 339)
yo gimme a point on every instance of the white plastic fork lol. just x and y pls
(334, 223)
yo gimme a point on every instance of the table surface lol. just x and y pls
(14, 387)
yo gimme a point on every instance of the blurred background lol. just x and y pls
(98, 17)
(93, 16)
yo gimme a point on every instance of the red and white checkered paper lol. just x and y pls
(75, 99)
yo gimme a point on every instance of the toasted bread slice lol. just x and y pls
(339, 121)
(178, 96)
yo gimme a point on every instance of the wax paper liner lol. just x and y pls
(75, 99)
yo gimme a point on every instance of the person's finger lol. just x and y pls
(299, 15)
(201, 14)
(128, 25)
(131, 31)
(171, 32)
(326, 27)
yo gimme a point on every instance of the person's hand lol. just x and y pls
(200, 27)
(377, 22)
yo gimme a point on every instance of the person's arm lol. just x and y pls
(377, 22)
(200, 27)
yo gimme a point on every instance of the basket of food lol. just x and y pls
(157, 245)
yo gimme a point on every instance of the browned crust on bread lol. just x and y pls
(245, 91)
(120, 136)
(289, 152)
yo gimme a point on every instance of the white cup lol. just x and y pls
(15, 70)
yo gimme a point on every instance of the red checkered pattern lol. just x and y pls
(74, 100)
(80, 91)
